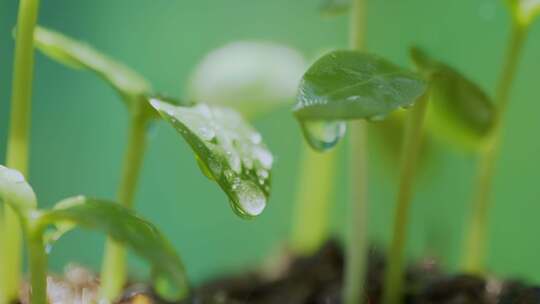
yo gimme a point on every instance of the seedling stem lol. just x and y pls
(17, 146)
(475, 246)
(356, 247)
(113, 272)
(411, 149)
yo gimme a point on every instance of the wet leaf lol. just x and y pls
(251, 77)
(459, 109)
(524, 11)
(127, 228)
(335, 7)
(14, 190)
(345, 85)
(228, 150)
(76, 54)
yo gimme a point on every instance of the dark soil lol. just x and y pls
(315, 279)
(318, 280)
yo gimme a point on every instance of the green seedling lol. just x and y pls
(17, 146)
(353, 85)
(524, 12)
(43, 227)
(231, 144)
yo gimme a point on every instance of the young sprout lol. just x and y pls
(43, 227)
(17, 145)
(228, 150)
(524, 12)
(133, 89)
(353, 85)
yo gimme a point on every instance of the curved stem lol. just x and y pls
(113, 271)
(311, 221)
(411, 148)
(356, 246)
(476, 239)
(17, 146)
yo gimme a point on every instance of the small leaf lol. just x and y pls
(524, 11)
(335, 7)
(228, 150)
(344, 85)
(14, 190)
(459, 109)
(251, 77)
(130, 85)
(127, 228)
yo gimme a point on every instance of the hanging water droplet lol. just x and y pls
(264, 157)
(251, 200)
(323, 135)
(255, 138)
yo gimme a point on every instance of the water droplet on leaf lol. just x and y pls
(323, 135)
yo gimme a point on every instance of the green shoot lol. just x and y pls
(228, 150)
(352, 85)
(119, 223)
(524, 12)
(133, 89)
(17, 146)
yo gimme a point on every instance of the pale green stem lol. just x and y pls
(311, 221)
(113, 271)
(37, 263)
(474, 254)
(356, 245)
(17, 146)
(411, 147)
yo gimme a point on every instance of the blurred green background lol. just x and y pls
(79, 126)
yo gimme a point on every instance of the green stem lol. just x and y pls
(37, 263)
(411, 149)
(113, 271)
(356, 249)
(17, 146)
(311, 221)
(476, 239)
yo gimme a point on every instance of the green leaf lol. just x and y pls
(345, 85)
(460, 110)
(251, 77)
(130, 85)
(14, 190)
(228, 150)
(335, 7)
(127, 228)
(524, 11)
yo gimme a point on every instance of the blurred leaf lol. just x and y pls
(345, 85)
(251, 77)
(228, 150)
(335, 7)
(460, 111)
(14, 190)
(130, 85)
(524, 11)
(127, 228)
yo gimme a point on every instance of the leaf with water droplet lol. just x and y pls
(524, 11)
(251, 77)
(15, 191)
(127, 228)
(345, 85)
(335, 7)
(228, 150)
(459, 111)
(131, 86)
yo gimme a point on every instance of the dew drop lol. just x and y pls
(251, 199)
(323, 135)
(206, 133)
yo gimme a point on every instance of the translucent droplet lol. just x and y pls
(206, 133)
(264, 157)
(323, 135)
(251, 199)
(255, 138)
